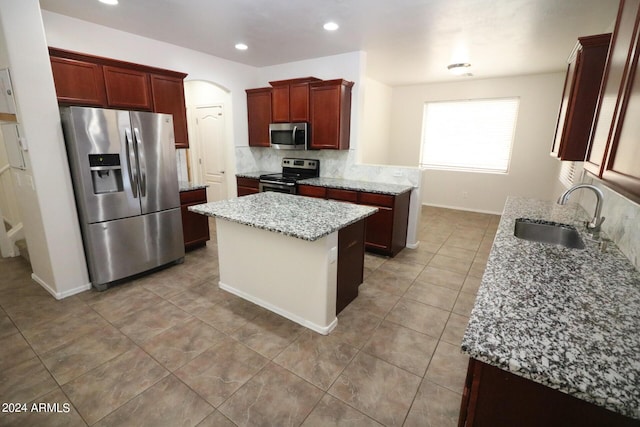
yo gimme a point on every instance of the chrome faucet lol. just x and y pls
(593, 226)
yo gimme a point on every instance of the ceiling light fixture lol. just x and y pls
(110, 2)
(242, 46)
(331, 26)
(459, 69)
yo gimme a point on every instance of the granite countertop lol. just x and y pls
(348, 184)
(254, 174)
(301, 217)
(566, 318)
(189, 186)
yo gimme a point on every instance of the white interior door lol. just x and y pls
(210, 135)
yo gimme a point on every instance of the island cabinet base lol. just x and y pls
(297, 279)
(350, 263)
(493, 397)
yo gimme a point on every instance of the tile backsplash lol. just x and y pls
(333, 164)
(181, 163)
(621, 223)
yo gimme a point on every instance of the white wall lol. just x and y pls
(376, 122)
(532, 171)
(44, 190)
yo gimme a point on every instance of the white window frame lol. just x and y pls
(452, 126)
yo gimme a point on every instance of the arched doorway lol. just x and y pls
(210, 156)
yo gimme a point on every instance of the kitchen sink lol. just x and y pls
(548, 232)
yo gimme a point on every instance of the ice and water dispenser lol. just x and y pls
(106, 173)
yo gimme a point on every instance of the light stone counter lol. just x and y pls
(301, 217)
(566, 318)
(350, 184)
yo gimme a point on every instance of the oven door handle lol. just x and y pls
(288, 184)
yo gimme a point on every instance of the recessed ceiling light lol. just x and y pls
(459, 69)
(331, 26)
(242, 46)
(111, 2)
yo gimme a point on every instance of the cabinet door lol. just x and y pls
(569, 85)
(78, 82)
(325, 117)
(616, 70)
(259, 116)
(580, 96)
(623, 162)
(168, 97)
(299, 102)
(280, 104)
(247, 186)
(127, 88)
(330, 114)
(380, 229)
(195, 227)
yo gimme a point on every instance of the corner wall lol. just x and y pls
(532, 171)
(43, 190)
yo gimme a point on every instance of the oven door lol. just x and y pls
(278, 187)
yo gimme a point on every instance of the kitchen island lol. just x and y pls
(300, 257)
(553, 336)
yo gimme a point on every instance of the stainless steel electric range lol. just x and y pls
(293, 170)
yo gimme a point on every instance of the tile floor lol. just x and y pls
(172, 349)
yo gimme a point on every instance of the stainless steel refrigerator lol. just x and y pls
(123, 167)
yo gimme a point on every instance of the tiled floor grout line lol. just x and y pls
(359, 349)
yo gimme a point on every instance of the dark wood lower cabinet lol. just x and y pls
(247, 186)
(350, 263)
(493, 397)
(195, 227)
(386, 231)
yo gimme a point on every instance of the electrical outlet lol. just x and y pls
(398, 174)
(465, 194)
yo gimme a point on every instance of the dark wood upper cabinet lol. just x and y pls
(89, 80)
(127, 88)
(290, 100)
(616, 70)
(259, 116)
(78, 82)
(330, 114)
(614, 153)
(168, 97)
(580, 96)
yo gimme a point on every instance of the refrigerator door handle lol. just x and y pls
(141, 162)
(131, 162)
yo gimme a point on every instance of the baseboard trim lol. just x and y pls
(413, 245)
(324, 330)
(60, 295)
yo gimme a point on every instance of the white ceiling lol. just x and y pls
(407, 41)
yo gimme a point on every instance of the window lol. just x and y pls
(570, 173)
(471, 135)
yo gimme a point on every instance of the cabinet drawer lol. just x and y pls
(377, 199)
(248, 182)
(193, 196)
(311, 191)
(345, 195)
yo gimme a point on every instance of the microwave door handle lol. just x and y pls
(293, 134)
(141, 162)
(131, 163)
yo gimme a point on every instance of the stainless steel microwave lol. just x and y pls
(289, 136)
